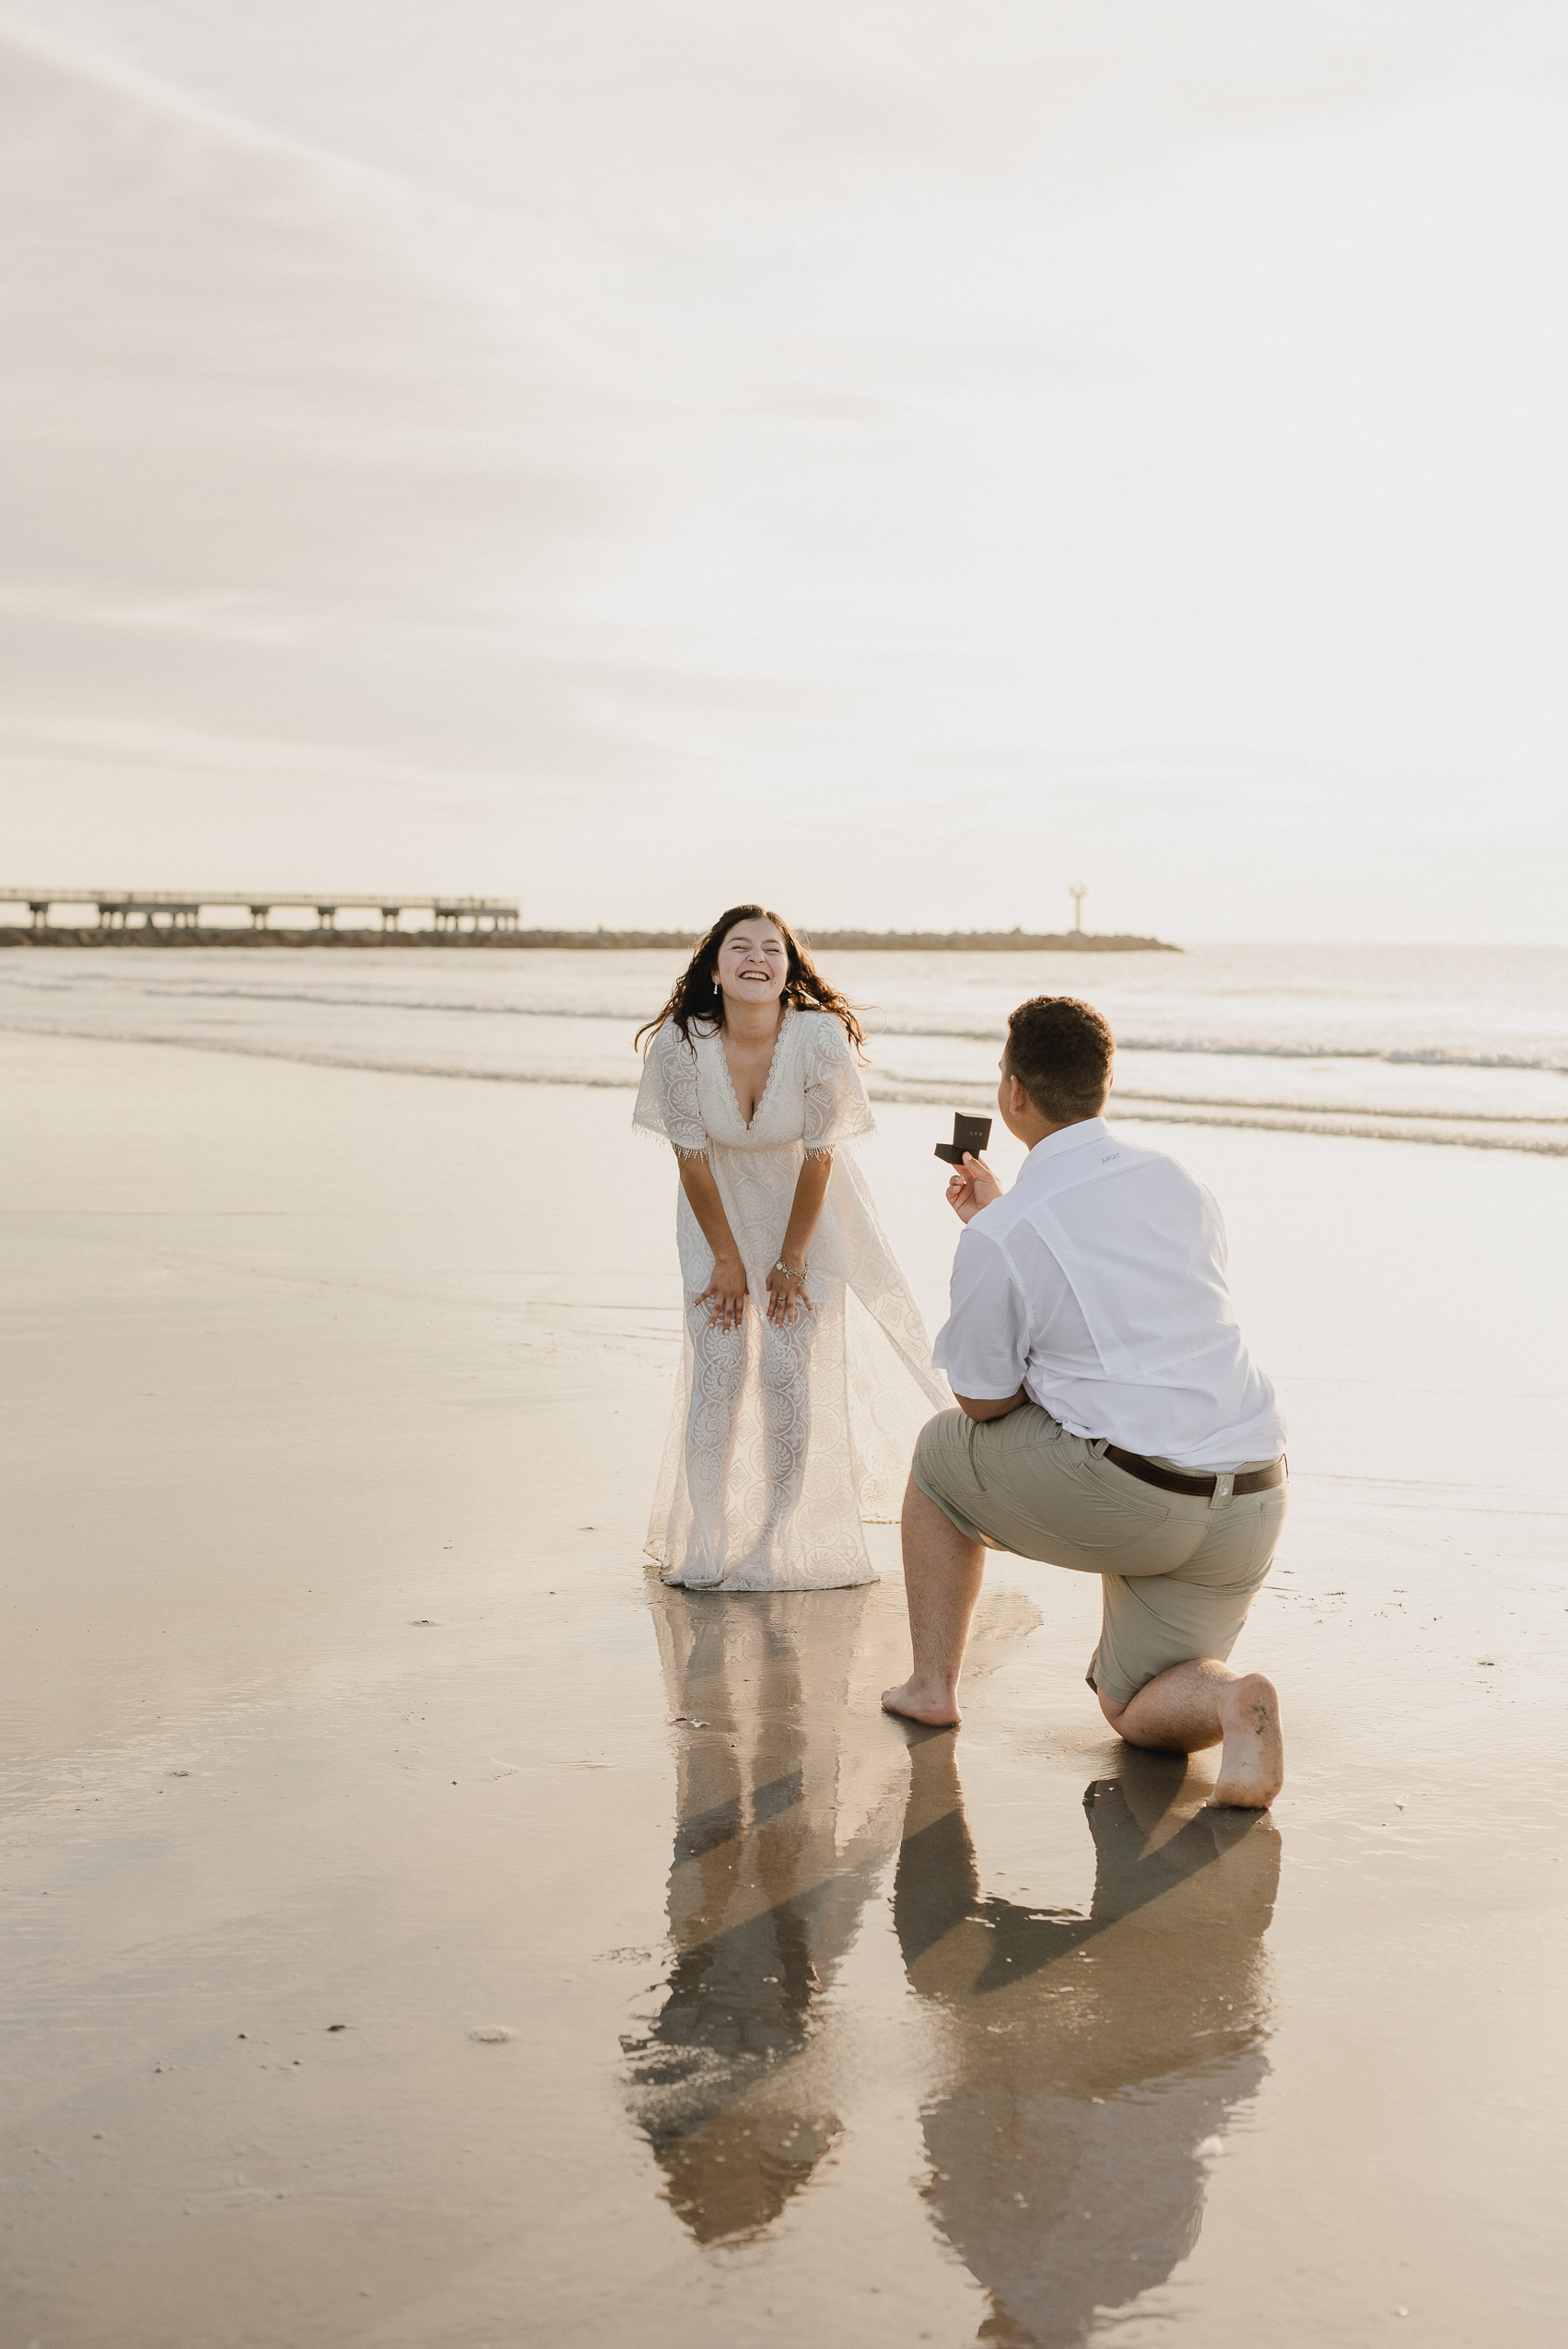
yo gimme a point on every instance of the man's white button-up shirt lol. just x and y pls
(1097, 1284)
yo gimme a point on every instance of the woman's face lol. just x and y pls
(752, 964)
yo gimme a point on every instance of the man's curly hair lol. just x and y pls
(1061, 1051)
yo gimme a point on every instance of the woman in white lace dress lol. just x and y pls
(805, 1368)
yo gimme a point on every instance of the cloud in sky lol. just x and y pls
(899, 461)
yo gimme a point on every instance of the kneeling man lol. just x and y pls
(1109, 1419)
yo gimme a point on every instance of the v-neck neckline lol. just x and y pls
(746, 1124)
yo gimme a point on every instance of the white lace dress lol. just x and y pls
(782, 1441)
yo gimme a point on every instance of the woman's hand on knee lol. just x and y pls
(786, 1298)
(725, 1296)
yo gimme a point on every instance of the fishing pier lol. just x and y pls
(240, 918)
(177, 909)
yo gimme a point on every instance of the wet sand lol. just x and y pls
(336, 1695)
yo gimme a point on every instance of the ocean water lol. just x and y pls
(1456, 1045)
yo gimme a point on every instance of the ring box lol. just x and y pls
(969, 1134)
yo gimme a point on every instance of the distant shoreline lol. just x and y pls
(508, 941)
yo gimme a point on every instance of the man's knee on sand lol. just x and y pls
(1194, 1706)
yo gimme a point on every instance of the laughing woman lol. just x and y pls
(805, 1370)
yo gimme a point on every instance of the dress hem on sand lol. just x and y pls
(682, 1582)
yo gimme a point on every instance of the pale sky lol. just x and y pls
(892, 459)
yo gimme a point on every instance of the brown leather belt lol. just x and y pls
(1170, 1480)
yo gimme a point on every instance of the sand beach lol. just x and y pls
(919, 465)
(427, 1929)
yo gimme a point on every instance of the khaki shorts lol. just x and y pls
(1178, 1572)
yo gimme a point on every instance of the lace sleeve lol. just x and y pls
(837, 1107)
(666, 1099)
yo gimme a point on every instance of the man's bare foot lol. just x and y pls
(931, 1701)
(1252, 1761)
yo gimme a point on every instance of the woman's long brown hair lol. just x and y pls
(697, 994)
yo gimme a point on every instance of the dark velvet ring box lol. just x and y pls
(969, 1134)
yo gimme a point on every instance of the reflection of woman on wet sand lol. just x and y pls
(1090, 2057)
(771, 1872)
(794, 1421)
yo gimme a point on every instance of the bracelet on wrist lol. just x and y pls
(783, 1268)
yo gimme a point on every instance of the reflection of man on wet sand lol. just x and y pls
(1087, 2059)
(1110, 1418)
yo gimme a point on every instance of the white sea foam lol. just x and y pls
(1464, 1045)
